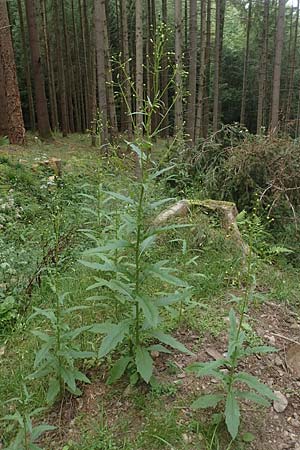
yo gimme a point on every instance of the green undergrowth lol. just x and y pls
(204, 255)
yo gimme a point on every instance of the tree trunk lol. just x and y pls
(202, 72)
(49, 65)
(246, 62)
(164, 75)
(126, 100)
(69, 84)
(38, 75)
(217, 67)
(191, 107)
(292, 70)
(139, 65)
(178, 63)
(80, 106)
(3, 103)
(27, 69)
(99, 13)
(15, 123)
(277, 68)
(263, 69)
(206, 106)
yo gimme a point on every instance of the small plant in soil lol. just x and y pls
(123, 279)
(22, 423)
(58, 353)
(226, 369)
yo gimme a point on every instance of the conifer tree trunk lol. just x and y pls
(202, 71)
(246, 62)
(206, 102)
(99, 12)
(85, 80)
(80, 106)
(61, 70)
(38, 75)
(164, 75)
(12, 102)
(274, 123)
(139, 64)
(49, 65)
(263, 69)
(127, 107)
(69, 88)
(292, 69)
(191, 107)
(178, 62)
(220, 10)
(27, 69)
(111, 107)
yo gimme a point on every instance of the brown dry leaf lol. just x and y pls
(215, 354)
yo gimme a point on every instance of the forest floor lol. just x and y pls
(121, 416)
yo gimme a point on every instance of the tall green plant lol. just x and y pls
(59, 351)
(21, 422)
(231, 378)
(123, 279)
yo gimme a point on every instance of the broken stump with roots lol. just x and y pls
(226, 210)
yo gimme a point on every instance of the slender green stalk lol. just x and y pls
(137, 262)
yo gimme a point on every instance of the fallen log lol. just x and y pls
(226, 210)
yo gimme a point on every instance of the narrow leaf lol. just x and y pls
(144, 363)
(232, 415)
(207, 401)
(118, 369)
(169, 340)
(115, 336)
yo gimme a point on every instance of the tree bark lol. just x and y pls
(99, 13)
(273, 129)
(292, 69)
(191, 107)
(246, 63)
(263, 69)
(38, 75)
(12, 102)
(127, 106)
(178, 63)
(139, 65)
(204, 65)
(27, 69)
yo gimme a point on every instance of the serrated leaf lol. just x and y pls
(171, 341)
(260, 349)
(115, 336)
(252, 397)
(102, 328)
(207, 368)
(53, 390)
(41, 355)
(69, 378)
(81, 376)
(164, 275)
(255, 384)
(118, 369)
(113, 245)
(232, 415)
(146, 243)
(121, 197)
(159, 203)
(149, 309)
(207, 401)
(159, 348)
(144, 363)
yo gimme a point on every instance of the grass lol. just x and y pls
(154, 419)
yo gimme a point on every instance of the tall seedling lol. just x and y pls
(123, 280)
(231, 378)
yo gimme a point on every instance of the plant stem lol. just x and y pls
(137, 262)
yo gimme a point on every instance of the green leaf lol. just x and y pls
(170, 299)
(169, 340)
(144, 363)
(255, 384)
(142, 156)
(118, 369)
(69, 378)
(48, 313)
(207, 368)
(149, 309)
(260, 349)
(40, 429)
(207, 401)
(146, 243)
(113, 245)
(248, 437)
(159, 348)
(162, 273)
(121, 197)
(102, 328)
(76, 354)
(252, 397)
(232, 415)
(81, 376)
(53, 390)
(115, 336)
(41, 355)
(159, 203)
